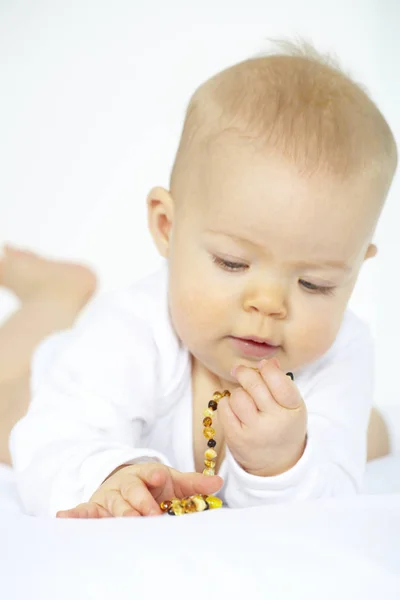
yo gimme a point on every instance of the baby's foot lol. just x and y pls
(30, 276)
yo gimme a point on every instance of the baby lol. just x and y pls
(279, 180)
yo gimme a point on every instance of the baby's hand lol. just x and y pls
(137, 490)
(264, 420)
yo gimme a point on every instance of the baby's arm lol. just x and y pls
(87, 412)
(338, 397)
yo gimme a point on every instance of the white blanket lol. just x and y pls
(322, 550)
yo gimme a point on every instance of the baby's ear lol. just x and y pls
(160, 210)
(372, 251)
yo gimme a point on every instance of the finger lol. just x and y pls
(86, 510)
(136, 493)
(243, 406)
(188, 484)
(282, 388)
(230, 423)
(253, 383)
(118, 506)
(157, 479)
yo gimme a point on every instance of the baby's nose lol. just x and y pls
(268, 300)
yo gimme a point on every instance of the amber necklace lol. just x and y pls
(200, 502)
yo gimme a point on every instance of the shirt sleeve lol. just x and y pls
(93, 389)
(338, 396)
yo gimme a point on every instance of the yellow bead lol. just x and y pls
(207, 421)
(178, 508)
(208, 412)
(210, 454)
(214, 502)
(210, 464)
(208, 472)
(208, 432)
(217, 396)
(199, 502)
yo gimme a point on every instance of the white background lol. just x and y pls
(92, 98)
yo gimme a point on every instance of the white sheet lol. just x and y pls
(315, 550)
(322, 550)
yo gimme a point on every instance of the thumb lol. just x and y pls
(188, 484)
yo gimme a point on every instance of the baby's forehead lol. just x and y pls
(249, 195)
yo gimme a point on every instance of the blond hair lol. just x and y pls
(295, 102)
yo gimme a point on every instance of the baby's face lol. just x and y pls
(259, 251)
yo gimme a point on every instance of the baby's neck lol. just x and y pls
(207, 378)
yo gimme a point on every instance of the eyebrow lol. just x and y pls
(332, 264)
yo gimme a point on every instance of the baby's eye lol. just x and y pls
(229, 265)
(321, 289)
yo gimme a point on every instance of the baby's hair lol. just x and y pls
(296, 103)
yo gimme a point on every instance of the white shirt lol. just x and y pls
(116, 388)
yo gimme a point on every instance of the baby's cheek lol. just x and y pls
(309, 342)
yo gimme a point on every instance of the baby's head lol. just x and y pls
(281, 173)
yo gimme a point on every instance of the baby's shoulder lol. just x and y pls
(142, 302)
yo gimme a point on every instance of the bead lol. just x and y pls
(227, 393)
(289, 374)
(207, 421)
(210, 464)
(210, 454)
(177, 509)
(211, 443)
(171, 512)
(217, 396)
(188, 505)
(208, 412)
(208, 432)
(214, 502)
(213, 405)
(208, 472)
(166, 505)
(199, 502)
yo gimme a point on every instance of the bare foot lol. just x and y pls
(30, 276)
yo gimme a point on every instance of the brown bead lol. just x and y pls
(207, 421)
(227, 393)
(166, 505)
(213, 405)
(211, 443)
(208, 432)
(188, 505)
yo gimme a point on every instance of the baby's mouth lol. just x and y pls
(253, 347)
